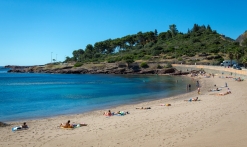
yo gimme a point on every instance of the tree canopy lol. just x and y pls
(166, 45)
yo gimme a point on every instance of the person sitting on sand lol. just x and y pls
(108, 113)
(143, 107)
(24, 125)
(117, 112)
(229, 91)
(239, 79)
(66, 125)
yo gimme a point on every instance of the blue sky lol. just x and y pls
(31, 29)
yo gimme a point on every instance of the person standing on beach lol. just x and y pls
(198, 90)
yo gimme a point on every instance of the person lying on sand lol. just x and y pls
(217, 89)
(221, 94)
(66, 125)
(193, 99)
(22, 127)
(143, 107)
(165, 104)
(122, 113)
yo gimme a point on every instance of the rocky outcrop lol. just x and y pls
(241, 37)
(79, 70)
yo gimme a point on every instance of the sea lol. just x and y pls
(26, 96)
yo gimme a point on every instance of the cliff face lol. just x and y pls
(241, 37)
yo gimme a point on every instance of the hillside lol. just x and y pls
(200, 45)
(241, 37)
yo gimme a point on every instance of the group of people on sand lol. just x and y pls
(222, 93)
(217, 89)
(109, 113)
(225, 93)
(239, 79)
(143, 107)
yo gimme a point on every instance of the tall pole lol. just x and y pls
(51, 57)
(56, 57)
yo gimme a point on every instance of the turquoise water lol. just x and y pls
(29, 95)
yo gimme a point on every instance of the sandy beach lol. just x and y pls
(211, 122)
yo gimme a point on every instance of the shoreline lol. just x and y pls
(213, 121)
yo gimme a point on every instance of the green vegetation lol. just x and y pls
(78, 64)
(169, 65)
(199, 43)
(144, 65)
(159, 67)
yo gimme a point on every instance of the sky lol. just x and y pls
(32, 32)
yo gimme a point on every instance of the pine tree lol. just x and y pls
(209, 28)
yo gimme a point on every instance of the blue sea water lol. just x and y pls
(30, 95)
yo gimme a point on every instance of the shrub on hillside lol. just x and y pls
(146, 57)
(111, 60)
(159, 67)
(168, 65)
(78, 64)
(144, 65)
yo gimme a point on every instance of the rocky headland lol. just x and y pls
(106, 68)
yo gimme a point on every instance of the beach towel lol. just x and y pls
(19, 128)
